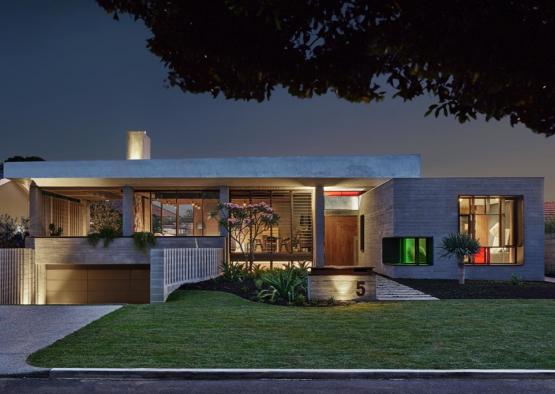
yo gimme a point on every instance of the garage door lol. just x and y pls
(90, 284)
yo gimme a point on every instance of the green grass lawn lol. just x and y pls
(200, 329)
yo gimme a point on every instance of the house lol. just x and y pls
(14, 199)
(549, 210)
(335, 210)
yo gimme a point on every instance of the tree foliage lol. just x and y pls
(105, 215)
(476, 57)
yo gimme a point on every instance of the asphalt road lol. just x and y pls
(443, 386)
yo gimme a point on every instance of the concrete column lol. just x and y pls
(36, 225)
(224, 198)
(318, 227)
(128, 211)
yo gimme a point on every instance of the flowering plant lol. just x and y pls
(245, 222)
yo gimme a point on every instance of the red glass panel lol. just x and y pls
(480, 257)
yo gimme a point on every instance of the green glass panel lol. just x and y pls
(407, 250)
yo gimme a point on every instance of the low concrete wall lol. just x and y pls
(341, 286)
(550, 254)
(78, 250)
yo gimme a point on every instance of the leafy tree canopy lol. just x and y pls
(488, 57)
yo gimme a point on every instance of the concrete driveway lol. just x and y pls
(25, 329)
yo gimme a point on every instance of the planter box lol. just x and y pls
(342, 284)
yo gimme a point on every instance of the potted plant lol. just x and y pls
(460, 246)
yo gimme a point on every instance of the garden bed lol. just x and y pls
(478, 289)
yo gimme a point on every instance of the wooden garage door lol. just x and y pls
(90, 284)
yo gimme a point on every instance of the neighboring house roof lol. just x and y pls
(549, 209)
(293, 167)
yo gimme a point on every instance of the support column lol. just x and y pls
(128, 209)
(36, 214)
(224, 198)
(319, 227)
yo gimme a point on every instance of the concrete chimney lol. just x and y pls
(138, 145)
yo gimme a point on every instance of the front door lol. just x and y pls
(340, 241)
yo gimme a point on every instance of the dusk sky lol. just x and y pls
(73, 80)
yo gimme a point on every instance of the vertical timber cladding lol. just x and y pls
(97, 284)
(62, 212)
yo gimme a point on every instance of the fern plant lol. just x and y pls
(143, 240)
(107, 234)
(460, 246)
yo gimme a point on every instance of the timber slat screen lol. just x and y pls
(18, 276)
(62, 212)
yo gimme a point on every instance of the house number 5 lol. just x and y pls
(360, 288)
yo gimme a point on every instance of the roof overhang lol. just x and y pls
(353, 171)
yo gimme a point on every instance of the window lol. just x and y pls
(495, 222)
(361, 233)
(184, 213)
(407, 250)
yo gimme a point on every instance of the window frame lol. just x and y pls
(517, 225)
(429, 251)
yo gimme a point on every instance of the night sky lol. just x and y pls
(72, 80)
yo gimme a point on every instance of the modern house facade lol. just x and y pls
(334, 210)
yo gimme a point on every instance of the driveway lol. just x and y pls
(25, 329)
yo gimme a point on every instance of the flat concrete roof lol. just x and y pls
(307, 168)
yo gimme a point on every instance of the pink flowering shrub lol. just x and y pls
(245, 222)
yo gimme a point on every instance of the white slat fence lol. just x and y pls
(188, 265)
(173, 267)
(18, 276)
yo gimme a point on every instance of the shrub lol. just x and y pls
(55, 231)
(13, 232)
(107, 234)
(286, 286)
(233, 272)
(550, 226)
(144, 239)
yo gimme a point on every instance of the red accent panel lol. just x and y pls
(343, 193)
(480, 257)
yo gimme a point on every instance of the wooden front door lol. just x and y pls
(340, 245)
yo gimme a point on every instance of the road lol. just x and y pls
(417, 386)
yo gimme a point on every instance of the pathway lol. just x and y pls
(389, 290)
(27, 328)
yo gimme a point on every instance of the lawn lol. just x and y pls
(201, 329)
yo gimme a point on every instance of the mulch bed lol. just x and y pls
(478, 289)
(245, 289)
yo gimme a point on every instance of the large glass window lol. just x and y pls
(291, 238)
(495, 222)
(184, 213)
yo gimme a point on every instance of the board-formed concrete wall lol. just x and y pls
(77, 250)
(377, 207)
(428, 207)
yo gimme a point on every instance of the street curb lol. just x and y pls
(311, 374)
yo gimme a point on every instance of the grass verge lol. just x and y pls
(204, 329)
